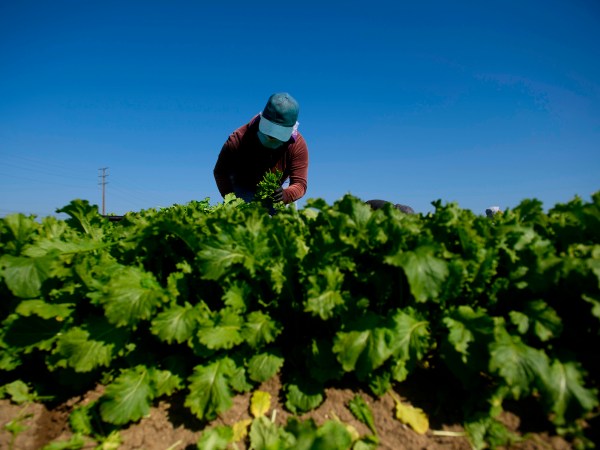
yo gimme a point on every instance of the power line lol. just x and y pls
(46, 167)
(30, 169)
(103, 183)
(40, 181)
(130, 196)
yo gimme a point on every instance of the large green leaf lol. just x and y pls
(425, 272)
(58, 311)
(263, 366)
(221, 331)
(324, 292)
(127, 399)
(409, 344)
(372, 339)
(518, 364)
(565, 394)
(75, 349)
(259, 329)
(24, 276)
(469, 332)
(363, 351)
(214, 261)
(89, 346)
(130, 296)
(176, 323)
(209, 389)
(412, 339)
(246, 244)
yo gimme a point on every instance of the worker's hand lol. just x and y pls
(278, 195)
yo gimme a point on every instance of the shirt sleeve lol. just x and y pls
(224, 166)
(298, 172)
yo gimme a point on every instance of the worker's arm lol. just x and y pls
(224, 166)
(298, 173)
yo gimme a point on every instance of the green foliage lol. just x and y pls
(210, 391)
(18, 392)
(303, 396)
(426, 273)
(362, 412)
(75, 442)
(24, 276)
(209, 300)
(128, 397)
(217, 438)
(263, 366)
(297, 435)
(486, 432)
(269, 183)
(129, 295)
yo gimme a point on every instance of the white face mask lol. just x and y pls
(268, 141)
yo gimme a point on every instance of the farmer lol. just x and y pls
(269, 142)
(378, 204)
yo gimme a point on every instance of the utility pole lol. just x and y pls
(103, 183)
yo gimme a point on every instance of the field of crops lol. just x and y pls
(209, 302)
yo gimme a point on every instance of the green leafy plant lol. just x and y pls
(265, 434)
(268, 184)
(362, 412)
(18, 392)
(209, 301)
(266, 187)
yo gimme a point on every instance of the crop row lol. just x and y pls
(210, 301)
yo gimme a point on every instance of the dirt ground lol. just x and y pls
(170, 426)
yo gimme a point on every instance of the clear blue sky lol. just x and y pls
(476, 102)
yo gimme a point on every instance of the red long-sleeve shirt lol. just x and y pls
(243, 161)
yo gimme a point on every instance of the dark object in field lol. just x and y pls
(113, 218)
(492, 211)
(377, 204)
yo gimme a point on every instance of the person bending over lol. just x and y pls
(270, 141)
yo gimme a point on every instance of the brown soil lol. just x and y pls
(170, 426)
